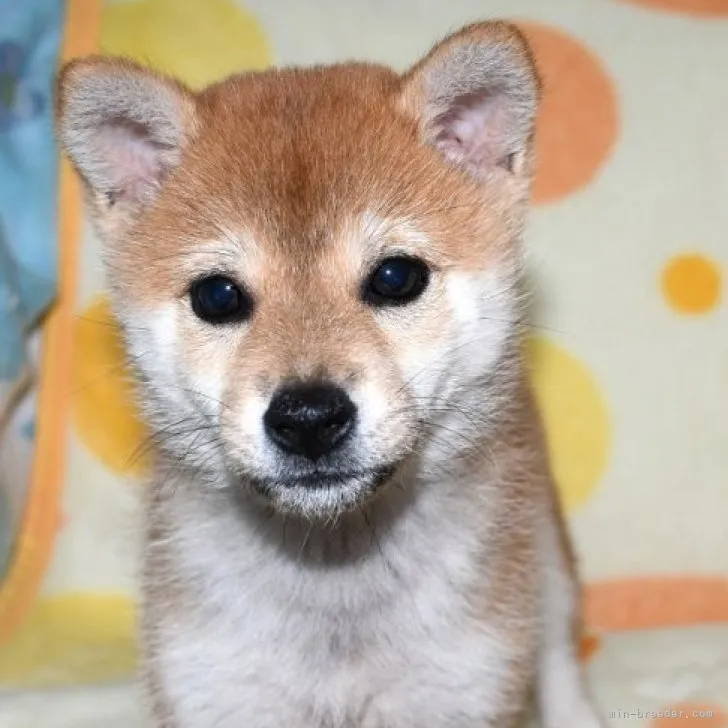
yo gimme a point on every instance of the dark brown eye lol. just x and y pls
(219, 300)
(396, 282)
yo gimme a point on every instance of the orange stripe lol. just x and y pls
(656, 602)
(40, 522)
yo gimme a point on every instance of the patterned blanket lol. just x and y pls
(629, 357)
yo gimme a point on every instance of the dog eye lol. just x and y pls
(219, 300)
(396, 281)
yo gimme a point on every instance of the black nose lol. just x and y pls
(309, 419)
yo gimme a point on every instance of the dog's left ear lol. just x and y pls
(475, 97)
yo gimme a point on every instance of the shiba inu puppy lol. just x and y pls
(351, 522)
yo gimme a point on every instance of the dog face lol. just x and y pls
(316, 270)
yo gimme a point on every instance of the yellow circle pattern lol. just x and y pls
(73, 639)
(691, 284)
(575, 417)
(102, 395)
(196, 42)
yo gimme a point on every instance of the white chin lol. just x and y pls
(326, 500)
(327, 497)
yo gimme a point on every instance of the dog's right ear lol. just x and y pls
(124, 128)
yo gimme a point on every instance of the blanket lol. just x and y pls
(628, 353)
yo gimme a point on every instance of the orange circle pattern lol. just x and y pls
(700, 8)
(655, 602)
(578, 122)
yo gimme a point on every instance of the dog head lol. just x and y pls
(316, 270)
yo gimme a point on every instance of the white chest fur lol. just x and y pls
(282, 627)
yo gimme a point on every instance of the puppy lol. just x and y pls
(351, 521)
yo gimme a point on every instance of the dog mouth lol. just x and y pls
(326, 480)
(323, 491)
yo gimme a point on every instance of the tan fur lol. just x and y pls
(447, 595)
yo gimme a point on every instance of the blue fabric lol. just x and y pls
(30, 34)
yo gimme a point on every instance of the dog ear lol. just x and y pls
(475, 97)
(124, 128)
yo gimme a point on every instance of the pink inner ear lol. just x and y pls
(133, 159)
(473, 132)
